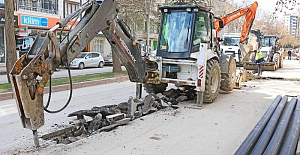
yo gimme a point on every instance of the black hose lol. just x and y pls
(248, 144)
(277, 139)
(270, 128)
(70, 81)
(290, 141)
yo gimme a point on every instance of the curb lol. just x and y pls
(10, 95)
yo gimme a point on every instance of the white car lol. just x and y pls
(87, 59)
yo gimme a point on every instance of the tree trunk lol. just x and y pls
(116, 63)
(10, 43)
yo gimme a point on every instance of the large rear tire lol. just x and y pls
(155, 88)
(212, 81)
(228, 79)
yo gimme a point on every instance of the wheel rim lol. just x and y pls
(214, 81)
(100, 64)
(81, 66)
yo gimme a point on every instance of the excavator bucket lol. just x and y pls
(267, 66)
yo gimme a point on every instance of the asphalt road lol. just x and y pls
(74, 72)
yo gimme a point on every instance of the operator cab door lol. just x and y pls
(203, 30)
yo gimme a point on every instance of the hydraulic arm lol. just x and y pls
(249, 13)
(32, 71)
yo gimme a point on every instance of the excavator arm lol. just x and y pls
(33, 70)
(248, 12)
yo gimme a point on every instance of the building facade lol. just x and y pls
(292, 25)
(34, 16)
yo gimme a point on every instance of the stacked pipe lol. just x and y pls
(277, 132)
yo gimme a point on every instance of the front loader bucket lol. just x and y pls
(250, 66)
(267, 66)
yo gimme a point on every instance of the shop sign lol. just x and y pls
(34, 21)
(2, 19)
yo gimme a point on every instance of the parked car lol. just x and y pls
(87, 59)
(108, 59)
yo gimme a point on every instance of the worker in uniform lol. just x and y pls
(259, 59)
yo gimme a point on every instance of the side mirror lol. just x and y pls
(221, 24)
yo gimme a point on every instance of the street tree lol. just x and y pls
(10, 43)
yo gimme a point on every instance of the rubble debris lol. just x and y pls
(80, 113)
(106, 118)
(148, 103)
(56, 133)
(116, 117)
(116, 124)
(107, 110)
(96, 123)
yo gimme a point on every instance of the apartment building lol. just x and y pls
(292, 25)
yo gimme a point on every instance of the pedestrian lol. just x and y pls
(289, 55)
(259, 59)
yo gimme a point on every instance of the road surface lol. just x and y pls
(219, 128)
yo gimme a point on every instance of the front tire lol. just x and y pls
(81, 65)
(212, 81)
(101, 64)
(228, 79)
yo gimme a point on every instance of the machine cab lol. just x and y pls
(182, 29)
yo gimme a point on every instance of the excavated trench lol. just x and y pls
(106, 118)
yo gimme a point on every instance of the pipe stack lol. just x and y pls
(277, 132)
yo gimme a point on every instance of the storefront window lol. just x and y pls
(2, 49)
(45, 6)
